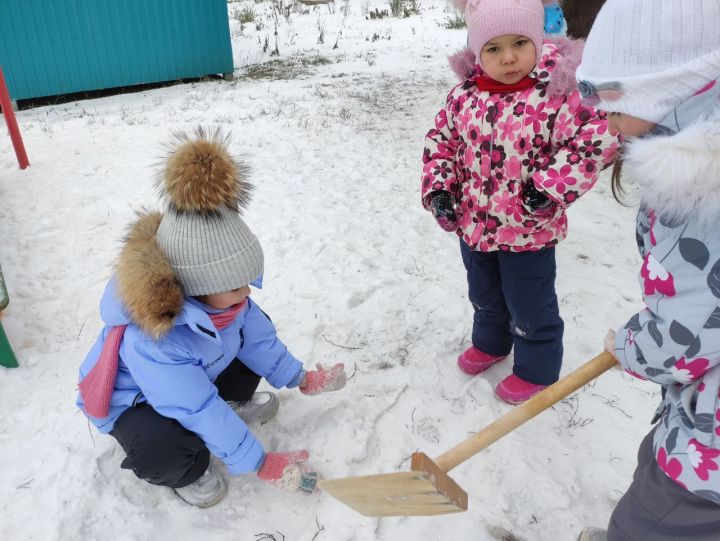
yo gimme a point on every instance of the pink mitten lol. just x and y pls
(323, 380)
(288, 471)
(446, 224)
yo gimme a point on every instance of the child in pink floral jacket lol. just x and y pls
(510, 151)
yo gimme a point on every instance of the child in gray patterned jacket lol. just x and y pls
(661, 87)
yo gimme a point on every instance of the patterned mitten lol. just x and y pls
(538, 202)
(442, 205)
(288, 471)
(324, 380)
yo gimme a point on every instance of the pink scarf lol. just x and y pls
(224, 319)
(97, 387)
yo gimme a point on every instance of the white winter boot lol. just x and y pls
(593, 534)
(206, 490)
(259, 409)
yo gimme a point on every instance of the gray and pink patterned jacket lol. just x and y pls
(485, 147)
(675, 339)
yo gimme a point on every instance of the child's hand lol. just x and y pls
(609, 344)
(323, 380)
(442, 205)
(609, 341)
(288, 471)
(537, 201)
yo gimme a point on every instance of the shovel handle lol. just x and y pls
(518, 416)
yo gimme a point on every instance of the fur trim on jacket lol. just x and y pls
(147, 285)
(679, 175)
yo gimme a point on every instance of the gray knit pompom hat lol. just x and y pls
(208, 245)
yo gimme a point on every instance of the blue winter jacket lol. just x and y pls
(175, 374)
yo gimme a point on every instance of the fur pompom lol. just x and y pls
(562, 80)
(147, 285)
(200, 175)
(463, 64)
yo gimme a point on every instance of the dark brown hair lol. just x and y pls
(616, 185)
(580, 15)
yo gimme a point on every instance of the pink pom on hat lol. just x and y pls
(488, 19)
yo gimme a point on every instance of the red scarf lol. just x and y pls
(97, 387)
(487, 84)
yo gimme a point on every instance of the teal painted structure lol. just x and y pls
(51, 47)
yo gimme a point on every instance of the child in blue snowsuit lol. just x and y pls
(173, 374)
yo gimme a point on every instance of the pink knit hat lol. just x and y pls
(488, 19)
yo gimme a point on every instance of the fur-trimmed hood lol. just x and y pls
(144, 283)
(679, 175)
(564, 53)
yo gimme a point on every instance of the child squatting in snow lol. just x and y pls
(173, 374)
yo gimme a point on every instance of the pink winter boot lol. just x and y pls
(473, 361)
(515, 390)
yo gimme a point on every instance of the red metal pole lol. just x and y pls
(12, 124)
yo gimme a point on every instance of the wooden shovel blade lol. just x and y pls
(425, 490)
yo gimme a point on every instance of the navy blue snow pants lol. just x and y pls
(516, 307)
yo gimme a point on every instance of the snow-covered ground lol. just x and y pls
(356, 272)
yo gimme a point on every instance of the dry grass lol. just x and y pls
(284, 69)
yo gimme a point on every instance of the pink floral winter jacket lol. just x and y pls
(485, 147)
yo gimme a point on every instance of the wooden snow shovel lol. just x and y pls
(427, 489)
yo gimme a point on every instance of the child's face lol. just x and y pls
(628, 125)
(508, 58)
(226, 299)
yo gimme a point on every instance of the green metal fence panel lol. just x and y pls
(7, 357)
(51, 47)
(4, 297)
